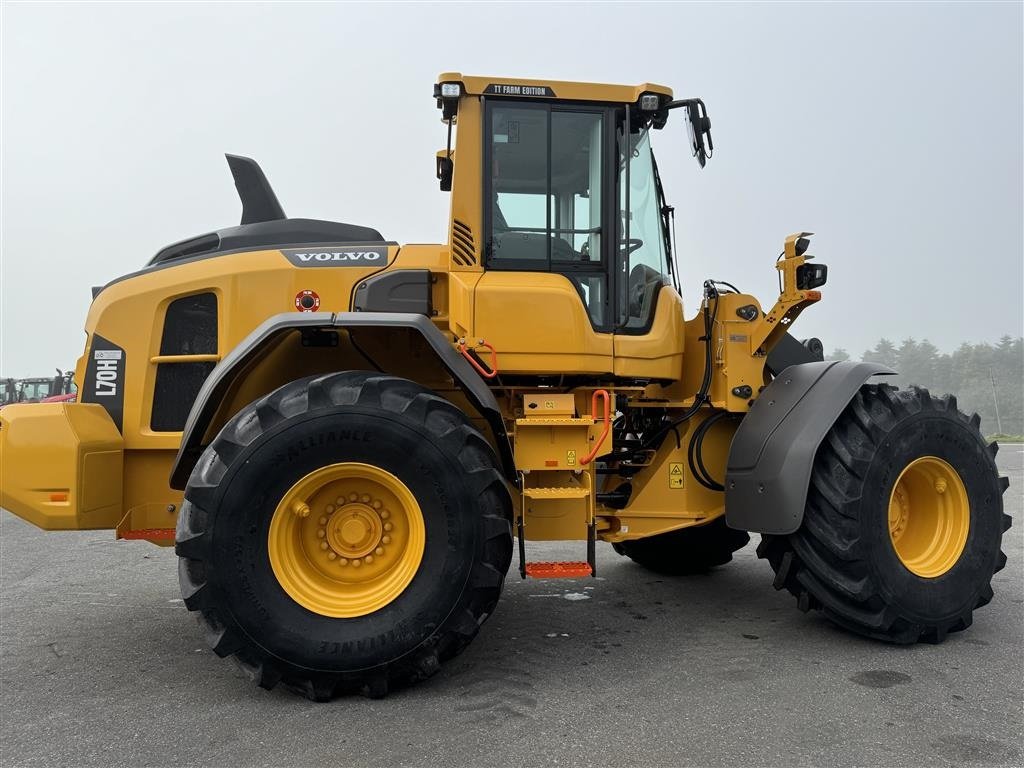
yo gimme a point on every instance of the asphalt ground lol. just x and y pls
(100, 664)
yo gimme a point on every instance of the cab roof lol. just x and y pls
(486, 85)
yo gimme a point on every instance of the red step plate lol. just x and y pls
(557, 570)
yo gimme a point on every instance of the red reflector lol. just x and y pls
(551, 463)
(558, 570)
(58, 497)
(813, 295)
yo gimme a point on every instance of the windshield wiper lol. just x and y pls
(668, 218)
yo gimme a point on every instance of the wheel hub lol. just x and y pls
(346, 540)
(929, 517)
(354, 530)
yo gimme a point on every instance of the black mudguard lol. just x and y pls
(220, 379)
(773, 450)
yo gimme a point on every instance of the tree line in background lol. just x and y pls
(986, 379)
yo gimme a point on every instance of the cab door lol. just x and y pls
(545, 300)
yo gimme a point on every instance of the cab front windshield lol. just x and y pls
(643, 263)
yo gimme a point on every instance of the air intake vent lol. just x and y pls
(189, 338)
(463, 247)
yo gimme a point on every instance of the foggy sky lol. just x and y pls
(894, 132)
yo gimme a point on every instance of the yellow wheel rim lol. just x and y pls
(929, 517)
(346, 540)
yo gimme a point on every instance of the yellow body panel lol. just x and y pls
(150, 506)
(466, 218)
(61, 465)
(538, 324)
(666, 496)
(657, 354)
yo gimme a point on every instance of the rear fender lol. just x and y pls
(772, 452)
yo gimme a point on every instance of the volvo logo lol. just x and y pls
(329, 257)
(339, 256)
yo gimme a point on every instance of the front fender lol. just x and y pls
(773, 450)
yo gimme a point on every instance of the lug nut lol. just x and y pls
(378, 551)
(330, 509)
(385, 540)
(322, 521)
(368, 559)
(343, 561)
(376, 504)
(331, 556)
(384, 514)
(323, 545)
(321, 533)
(365, 499)
(353, 497)
(356, 563)
(388, 526)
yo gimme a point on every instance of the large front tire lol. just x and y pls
(376, 468)
(904, 520)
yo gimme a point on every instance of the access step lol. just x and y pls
(579, 492)
(558, 570)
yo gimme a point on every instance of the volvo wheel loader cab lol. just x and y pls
(342, 436)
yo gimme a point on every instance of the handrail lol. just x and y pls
(607, 422)
(464, 351)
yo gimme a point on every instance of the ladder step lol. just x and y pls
(556, 493)
(564, 421)
(558, 570)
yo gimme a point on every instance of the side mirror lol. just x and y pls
(698, 125)
(445, 171)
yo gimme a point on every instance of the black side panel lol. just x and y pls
(105, 378)
(400, 290)
(773, 449)
(259, 203)
(266, 234)
(220, 379)
(185, 248)
(788, 351)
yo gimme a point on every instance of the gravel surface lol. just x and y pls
(102, 665)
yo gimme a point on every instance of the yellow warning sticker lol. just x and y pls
(675, 474)
(570, 458)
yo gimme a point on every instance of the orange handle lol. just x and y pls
(607, 422)
(464, 351)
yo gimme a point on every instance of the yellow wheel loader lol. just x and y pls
(342, 436)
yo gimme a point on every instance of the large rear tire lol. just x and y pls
(687, 550)
(904, 520)
(345, 533)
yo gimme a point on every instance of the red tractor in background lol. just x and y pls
(54, 389)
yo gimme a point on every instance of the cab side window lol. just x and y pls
(545, 195)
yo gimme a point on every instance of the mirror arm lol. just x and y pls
(683, 103)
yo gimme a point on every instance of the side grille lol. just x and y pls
(189, 339)
(463, 247)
